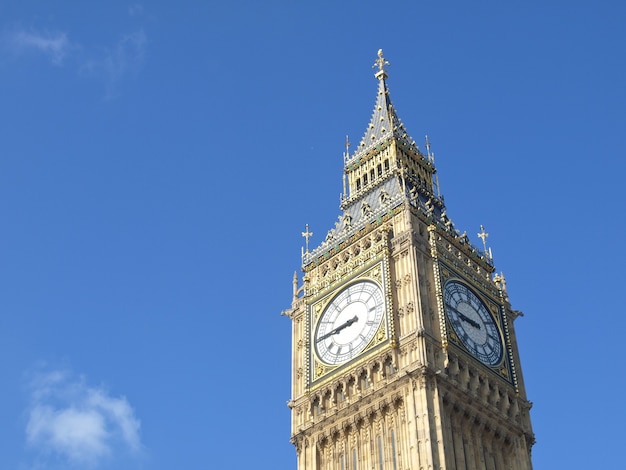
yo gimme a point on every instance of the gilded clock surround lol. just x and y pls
(415, 397)
(454, 261)
(474, 326)
(377, 271)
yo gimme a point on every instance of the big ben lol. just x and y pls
(404, 354)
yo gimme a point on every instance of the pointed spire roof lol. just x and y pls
(385, 123)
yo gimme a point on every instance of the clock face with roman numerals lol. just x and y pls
(473, 324)
(349, 322)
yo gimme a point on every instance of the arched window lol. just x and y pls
(389, 368)
(341, 396)
(317, 407)
(394, 459)
(364, 381)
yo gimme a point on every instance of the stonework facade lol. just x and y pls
(404, 347)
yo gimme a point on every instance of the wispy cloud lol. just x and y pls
(135, 9)
(54, 45)
(123, 60)
(109, 64)
(77, 422)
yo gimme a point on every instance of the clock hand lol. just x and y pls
(466, 319)
(339, 328)
(474, 323)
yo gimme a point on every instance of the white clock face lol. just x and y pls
(472, 323)
(349, 322)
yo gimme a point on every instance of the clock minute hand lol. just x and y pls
(339, 328)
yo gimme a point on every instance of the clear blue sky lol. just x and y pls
(158, 162)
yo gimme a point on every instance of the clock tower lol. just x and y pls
(404, 354)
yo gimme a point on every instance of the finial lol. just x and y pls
(502, 282)
(346, 156)
(402, 178)
(483, 236)
(381, 62)
(428, 154)
(295, 285)
(306, 234)
(431, 159)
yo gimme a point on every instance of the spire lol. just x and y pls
(384, 123)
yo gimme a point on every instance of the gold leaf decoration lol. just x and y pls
(319, 370)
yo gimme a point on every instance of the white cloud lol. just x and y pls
(79, 423)
(54, 45)
(78, 434)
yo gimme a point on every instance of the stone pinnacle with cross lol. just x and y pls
(483, 236)
(306, 234)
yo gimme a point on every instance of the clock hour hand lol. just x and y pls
(339, 328)
(465, 318)
(474, 323)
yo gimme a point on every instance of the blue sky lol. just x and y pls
(159, 160)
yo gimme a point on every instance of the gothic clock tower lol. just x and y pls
(404, 350)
